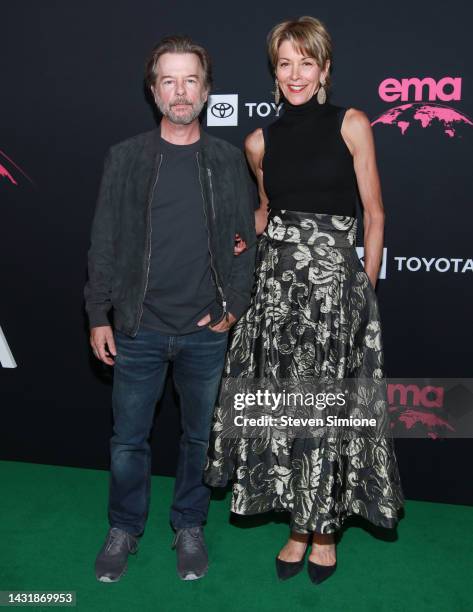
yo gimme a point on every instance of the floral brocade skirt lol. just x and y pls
(313, 316)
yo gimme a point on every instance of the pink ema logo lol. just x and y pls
(391, 90)
(419, 113)
(409, 400)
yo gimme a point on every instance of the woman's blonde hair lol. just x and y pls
(308, 35)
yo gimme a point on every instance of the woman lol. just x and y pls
(314, 313)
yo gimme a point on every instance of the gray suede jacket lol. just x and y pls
(120, 249)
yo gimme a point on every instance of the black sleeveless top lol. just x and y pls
(307, 165)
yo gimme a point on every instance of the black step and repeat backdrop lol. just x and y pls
(72, 85)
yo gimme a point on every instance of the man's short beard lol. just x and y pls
(181, 119)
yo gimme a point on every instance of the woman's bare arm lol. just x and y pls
(357, 133)
(254, 149)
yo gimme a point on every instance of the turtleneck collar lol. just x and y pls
(310, 106)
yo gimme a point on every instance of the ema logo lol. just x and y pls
(419, 407)
(361, 255)
(447, 89)
(433, 408)
(222, 110)
(418, 113)
(8, 170)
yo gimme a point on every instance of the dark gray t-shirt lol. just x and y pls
(180, 286)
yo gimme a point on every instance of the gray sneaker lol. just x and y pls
(112, 560)
(192, 557)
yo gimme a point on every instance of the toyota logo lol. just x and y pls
(221, 110)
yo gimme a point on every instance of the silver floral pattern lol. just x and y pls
(313, 314)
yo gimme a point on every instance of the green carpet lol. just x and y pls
(54, 522)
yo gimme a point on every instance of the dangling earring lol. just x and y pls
(277, 93)
(321, 94)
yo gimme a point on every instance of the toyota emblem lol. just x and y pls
(221, 110)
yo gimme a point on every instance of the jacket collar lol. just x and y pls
(205, 138)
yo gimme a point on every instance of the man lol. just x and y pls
(162, 262)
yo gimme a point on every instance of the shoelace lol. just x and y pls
(190, 539)
(115, 540)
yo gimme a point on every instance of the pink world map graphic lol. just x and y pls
(431, 423)
(424, 115)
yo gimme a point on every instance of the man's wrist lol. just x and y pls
(98, 318)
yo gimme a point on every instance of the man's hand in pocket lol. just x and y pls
(222, 326)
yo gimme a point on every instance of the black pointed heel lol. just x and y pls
(288, 569)
(319, 573)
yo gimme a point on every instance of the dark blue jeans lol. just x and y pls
(139, 376)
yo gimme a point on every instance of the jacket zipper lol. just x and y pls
(150, 200)
(209, 172)
(224, 303)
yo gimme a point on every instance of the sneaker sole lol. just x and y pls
(108, 579)
(192, 576)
